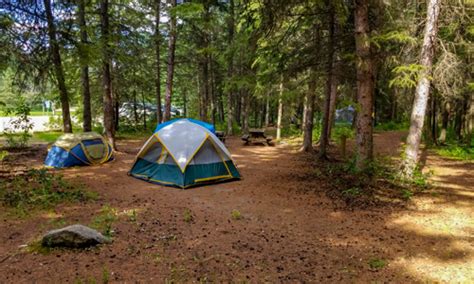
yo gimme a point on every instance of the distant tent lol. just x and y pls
(79, 149)
(184, 153)
(345, 115)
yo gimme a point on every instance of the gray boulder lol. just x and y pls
(74, 236)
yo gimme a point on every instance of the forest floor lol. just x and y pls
(284, 227)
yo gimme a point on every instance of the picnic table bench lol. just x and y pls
(257, 135)
(221, 136)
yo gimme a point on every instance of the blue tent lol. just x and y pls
(208, 126)
(184, 153)
(79, 149)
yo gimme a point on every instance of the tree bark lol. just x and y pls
(86, 94)
(245, 111)
(444, 123)
(280, 109)
(230, 69)
(106, 76)
(365, 86)
(470, 120)
(58, 68)
(309, 116)
(159, 114)
(267, 109)
(333, 100)
(204, 90)
(422, 90)
(434, 122)
(170, 73)
(324, 139)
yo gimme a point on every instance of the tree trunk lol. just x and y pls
(86, 94)
(185, 103)
(230, 69)
(106, 76)
(280, 110)
(434, 123)
(444, 123)
(309, 115)
(422, 89)
(324, 140)
(245, 111)
(204, 90)
(267, 109)
(365, 86)
(470, 121)
(144, 110)
(333, 101)
(212, 90)
(170, 73)
(159, 114)
(58, 68)
(135, 114)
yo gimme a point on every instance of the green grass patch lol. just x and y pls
(47, 136)
(40, 189)
(377, 263)
(392, 126)
(457, 152)
(236, 215)
(188, 216)
(104, 221)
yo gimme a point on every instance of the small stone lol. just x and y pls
(74, 236)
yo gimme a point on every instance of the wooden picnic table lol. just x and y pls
(256, 135)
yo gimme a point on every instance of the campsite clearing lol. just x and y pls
(276, 224)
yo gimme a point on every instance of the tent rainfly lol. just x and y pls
(184, 153)
(79, 149)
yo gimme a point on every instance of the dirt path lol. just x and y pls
(290, 230)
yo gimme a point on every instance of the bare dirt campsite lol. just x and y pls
(277, 224)
(236, 141)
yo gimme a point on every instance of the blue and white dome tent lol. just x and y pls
(184, 153)
(79, 149)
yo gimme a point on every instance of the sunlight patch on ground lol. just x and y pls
(430, 270)
(448, 255)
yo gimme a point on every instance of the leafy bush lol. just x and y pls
(18, 133)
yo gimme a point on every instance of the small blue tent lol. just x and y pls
(184, 153)
(79, 149)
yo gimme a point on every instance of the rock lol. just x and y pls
(74, 236)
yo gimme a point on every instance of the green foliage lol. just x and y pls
(291, 131)
(104, 221)
(407, 194)
(353, 191)
(236, 215)
(406, 76)
(377, 263)
(392, 126)
(18, 134)
(386, 40)
(341, 131)
(40, 189)
(458, 152)
(3, 155)
(47, 136)
(188, 216)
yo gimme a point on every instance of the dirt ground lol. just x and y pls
(289, 231)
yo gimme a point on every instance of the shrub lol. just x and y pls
(18, 133)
